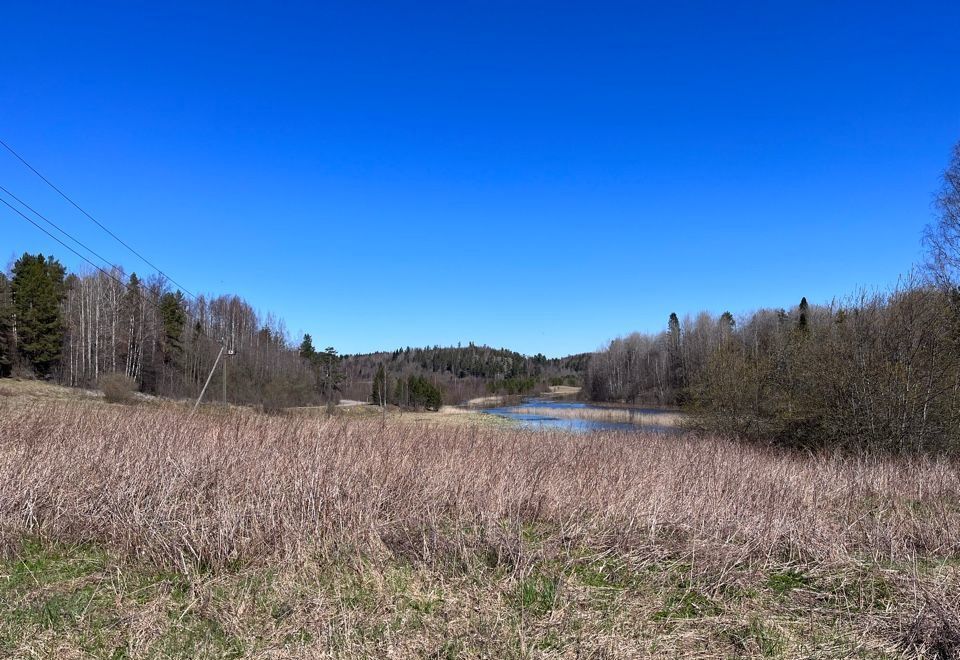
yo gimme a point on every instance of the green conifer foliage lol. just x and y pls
(173, 315)
(7, 346)
(37, 291)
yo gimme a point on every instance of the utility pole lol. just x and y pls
(215, 362)
(230, 353)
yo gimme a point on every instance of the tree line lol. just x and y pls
(76, 328)
(875, 370)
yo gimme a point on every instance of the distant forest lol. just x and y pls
(461, 372)
(76, 328)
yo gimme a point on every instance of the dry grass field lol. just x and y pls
(139, 531)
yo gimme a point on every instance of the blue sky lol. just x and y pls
(542, 176)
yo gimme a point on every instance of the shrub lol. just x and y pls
(278, 394)
(118, 388)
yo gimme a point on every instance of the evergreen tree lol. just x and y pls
(173, 316)
(727, 325)
(676, 375)
(421, 393)
(803, 310)
(7, 346)
(330, 374)
(131, 310)
(673, 327)
(307, 350)
(37, 290)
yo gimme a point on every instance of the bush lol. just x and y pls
(274, 397)
(118, 388)
(278, 394)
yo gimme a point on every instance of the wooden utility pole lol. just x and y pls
(206, 384)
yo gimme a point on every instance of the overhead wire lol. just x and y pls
(95, 221)
(110, 275)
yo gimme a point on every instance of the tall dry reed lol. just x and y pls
(210, 491)
(612, 414)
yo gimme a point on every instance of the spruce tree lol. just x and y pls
(173, 316)
(7, 346)
(37, 290)
(803, 310)
(421, 393)
(676, 375)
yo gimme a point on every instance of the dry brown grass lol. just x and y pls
(118, 388)
(537, 543)
(28, 389)
(627, 415)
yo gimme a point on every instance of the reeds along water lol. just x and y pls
(209, 491)
(606, 415)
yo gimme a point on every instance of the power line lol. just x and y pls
(58, 228)
(113, 277)
(97, 222)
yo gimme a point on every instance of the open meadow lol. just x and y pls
(139, 531)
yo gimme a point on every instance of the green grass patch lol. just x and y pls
(782, 582)
(604, 574)
(536, 594)
(757, 638)
(687, 604)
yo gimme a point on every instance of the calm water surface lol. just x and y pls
(547, 422)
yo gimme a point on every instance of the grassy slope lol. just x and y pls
(79, 601)
(153, 555)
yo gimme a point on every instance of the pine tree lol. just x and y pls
(330, 373)
(307, 350)
(803, 309)
(37, 290)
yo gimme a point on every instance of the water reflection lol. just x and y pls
(546, 421)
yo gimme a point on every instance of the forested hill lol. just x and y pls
(463, 372)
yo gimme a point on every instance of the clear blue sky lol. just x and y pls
(542, 176)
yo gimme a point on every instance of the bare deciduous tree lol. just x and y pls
(943, 237)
